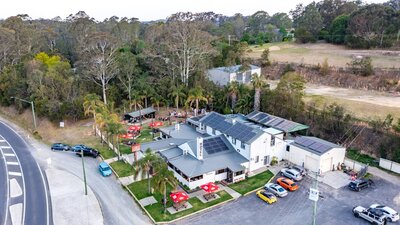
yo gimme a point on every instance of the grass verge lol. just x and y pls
(121, 168)
(145, 136)
(157, 210)
(252, 183)
(356, 155)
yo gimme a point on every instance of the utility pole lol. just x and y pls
(229, 40)
(33, 109)
(84, 172)
(314, 195)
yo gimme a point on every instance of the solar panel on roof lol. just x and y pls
(214, 145)
(252, 114)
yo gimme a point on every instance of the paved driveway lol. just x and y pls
(295, 209)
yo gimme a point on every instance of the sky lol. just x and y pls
(145, 10)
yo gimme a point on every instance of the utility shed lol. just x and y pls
(315, 154)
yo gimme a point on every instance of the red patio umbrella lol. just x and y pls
(156, 124)
(129, 135)
(209, 187)
(179, 196)
(134, 127)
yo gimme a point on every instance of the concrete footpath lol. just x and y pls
(71, 205)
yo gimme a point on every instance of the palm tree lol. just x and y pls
(196, 95)
(114, 128)
(177, 93)
(258, 83)
(244, 104)
(157, 99)
(92, 105)
(145, 164)
(233, 91)
(163, 178)
(146, 93)
(136, 100)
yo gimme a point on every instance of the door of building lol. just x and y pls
(229, 176)
(266, 160)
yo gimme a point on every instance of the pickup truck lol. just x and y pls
(373, 216)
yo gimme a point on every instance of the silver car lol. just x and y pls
(276, 189)
(300, 169)
(292, 174)
(392, 215)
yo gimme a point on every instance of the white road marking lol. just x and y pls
(15, 189)
(2, 140)
(9, 154)
(15, 174)
(5, 147)
(13, 163)
(8, 189)
(16, 214)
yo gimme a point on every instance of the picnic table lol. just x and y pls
(209, 196)
(179, 205)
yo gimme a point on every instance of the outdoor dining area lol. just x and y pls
(209, 189)
(179, 199)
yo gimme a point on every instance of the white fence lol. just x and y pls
(357, 166)
(389, 165)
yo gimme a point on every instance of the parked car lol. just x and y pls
(373, 216)
(276, 189)
(299, 169)
(78, 148)
(291, 174)
(88, 152)
(60, 147)
(391, 214)
(266, 196)
(105, 169)
(288, 184)
(359, 184)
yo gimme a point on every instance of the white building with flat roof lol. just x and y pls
(225, 75)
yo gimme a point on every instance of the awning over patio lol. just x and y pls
(140, 113)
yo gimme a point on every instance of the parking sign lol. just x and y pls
(314, 194)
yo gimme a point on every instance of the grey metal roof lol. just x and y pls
(185, 132)
(216, 121)
(234, 69)
(162, 144)
(314, 145)
(141, 112)
(192, 167)
(275, 122)
(171, 153)
(196, 118)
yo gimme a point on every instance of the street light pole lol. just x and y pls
(84, 173)
(33, 109)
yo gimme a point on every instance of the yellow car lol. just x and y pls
(266, 196)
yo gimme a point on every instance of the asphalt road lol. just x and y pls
(295, 209)
(31, 203)
(117, 205)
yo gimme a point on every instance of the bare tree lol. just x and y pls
(99, 60)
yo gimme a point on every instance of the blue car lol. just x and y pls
(78, 148)
(60, 147)
(105, 169)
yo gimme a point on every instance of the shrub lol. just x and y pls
(362, 65)
(274, 160)
(324, 70)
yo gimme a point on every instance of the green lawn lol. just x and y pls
(145, 136)
(157, 210)
(125, 149)
(121, 168)
(105, 152)
(356, 155)
(252, 183)
(140, 189)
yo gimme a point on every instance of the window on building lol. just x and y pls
(213, 131)
(220, 171)
(257, 159)
(196, 178)
(272, 140)
(239, 173)
(288, 148)
(234, 141)
(242, 145)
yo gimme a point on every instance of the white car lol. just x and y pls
(291, 174)
(277, 189)
(392, 215)
(371, 215)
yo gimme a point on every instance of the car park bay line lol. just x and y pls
(13, 163)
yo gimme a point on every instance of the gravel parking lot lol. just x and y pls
(295, 209)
